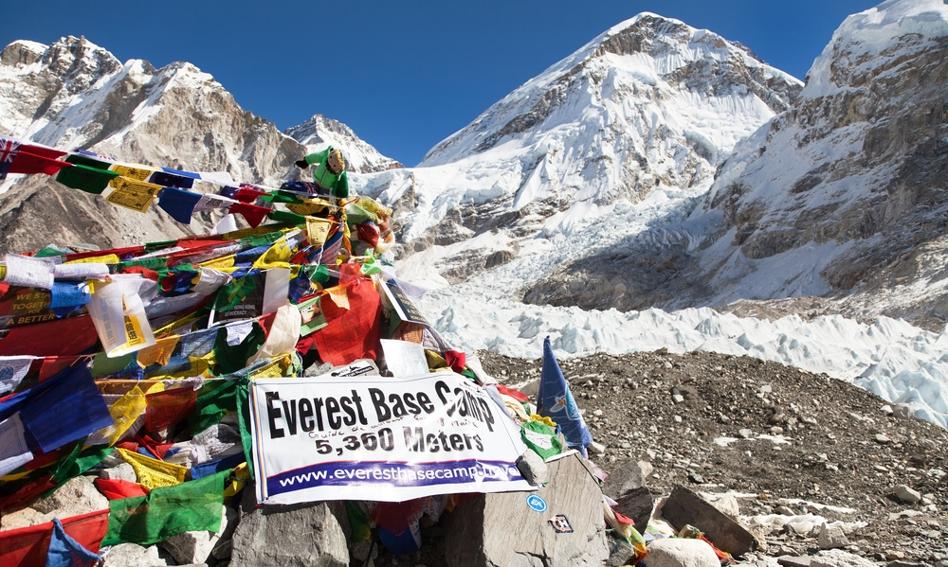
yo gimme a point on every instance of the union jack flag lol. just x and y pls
(8, 151)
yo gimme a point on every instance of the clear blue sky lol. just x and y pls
(403, 74)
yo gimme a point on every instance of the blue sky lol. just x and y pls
(403, 74)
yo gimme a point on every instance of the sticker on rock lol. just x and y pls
(561, 524)
(536, 503)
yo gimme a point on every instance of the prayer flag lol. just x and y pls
(555, 400)
(65, 551)
(64, 409)
(188, 507)
(178, 203)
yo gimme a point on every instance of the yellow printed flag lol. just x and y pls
(153, 473)
(317, 230)
(103, 259)
(139, 173)
(132, 193)
(159, 353)
(125, 411)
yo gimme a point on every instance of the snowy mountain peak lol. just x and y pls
(321, 131)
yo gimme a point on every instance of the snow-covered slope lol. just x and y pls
(321, 131)
(74, 94)
(649, 105)
(846, 194)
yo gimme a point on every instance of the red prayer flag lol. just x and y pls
(351, 333)
(30, 162)
(167, 408)
(253, 213)
(27, 547)
(73, 335)
(114, 489)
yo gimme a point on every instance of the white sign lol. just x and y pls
(380, 439)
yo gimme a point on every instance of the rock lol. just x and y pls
(839, 558)
(681, 552)
(629, 475)
(621, 552)
(726, 503)
(695, 478)
(745, 433)
(77, 496)
(903, 493)
(132, 555)
(297, 535)
(800, 561)
(831, 537)
(638, 505)
(597, 448)
(533, 469)
(887, 409)
(684, 507)
(904, 563)
(500, 529)
(882, 438)
(121, 471)
(197, 547)
(23, 518)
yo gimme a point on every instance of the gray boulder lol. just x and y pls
(133, 555)
(501, 530)
(839, 558)
(303, 535)
(681, 552)
(533, 469)
(77, 496)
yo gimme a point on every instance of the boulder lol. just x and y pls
(23, 518)
(298, 535)
(839, 558)
(904, 494)
(197, 547)
(501, 529)
(684, 507)
(121, 471)
(627, 476)
(681, 552)
(638, 505)
(533, 469)
(831, 536)
(726, 503)
(133, 555)
(77, 496)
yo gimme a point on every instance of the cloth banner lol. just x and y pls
(380, 439)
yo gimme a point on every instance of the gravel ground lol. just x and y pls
(785, 442)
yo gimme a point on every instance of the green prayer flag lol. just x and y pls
(243, 421)
(214, 399)
(187, 507)
(287, 217)
(85, 178)
(78, 462)
(541, 438)
(229, 359)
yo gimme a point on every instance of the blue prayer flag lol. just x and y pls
(64, 409)
(167, 179)
(556, 401)
(64, 551)
(178, 203)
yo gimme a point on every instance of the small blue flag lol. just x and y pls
(554, 400)
(64, 551)
(178, 203)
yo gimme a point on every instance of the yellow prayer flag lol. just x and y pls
(103, 259)
(139, 173)
(159, 353)
(277, 256)
(152, 473)
(235, 483)
(125, 411)
(132, 193)
(317, 230)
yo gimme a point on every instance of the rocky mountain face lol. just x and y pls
(582, 154)
(838, 203)
(75, 94)
(321, 131)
